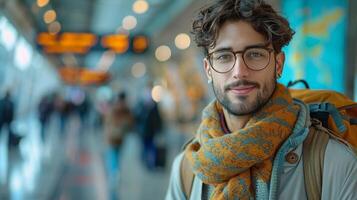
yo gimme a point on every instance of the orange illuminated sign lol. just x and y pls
(82, 43)
(82, 76)
(119, 43)
(67, 42)
(140, 44)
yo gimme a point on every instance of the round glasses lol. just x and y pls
(255, 58)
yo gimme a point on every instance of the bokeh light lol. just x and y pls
(49, 16)
(140, 6)
(129, 22)
(182, 41)
(54, 28)
(42, 3)
(138, 70)
(163, 53)
(156, 93)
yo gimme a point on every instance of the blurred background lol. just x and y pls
(98, 96)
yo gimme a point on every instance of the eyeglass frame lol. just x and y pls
(264, 46)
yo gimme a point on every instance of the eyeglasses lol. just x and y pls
(255, 58)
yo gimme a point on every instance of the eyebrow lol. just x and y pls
(246, 47)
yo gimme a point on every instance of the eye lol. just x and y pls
(223, 57)
(256, 54)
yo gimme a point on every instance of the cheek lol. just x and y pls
(266, 76)
(220, 81)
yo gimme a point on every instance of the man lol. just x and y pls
(249, 142)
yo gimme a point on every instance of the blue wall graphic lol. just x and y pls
(317, 51)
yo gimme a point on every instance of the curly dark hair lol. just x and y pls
(263, 18)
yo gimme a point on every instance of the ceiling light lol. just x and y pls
(138, 70)
(140, 44)
(163, 53)
(23, 54)
(140, 6)
(182, 41)
(54, 28)
(42, 3)
(156, 93)
(49, 16)
(8, 34)
(129, 22)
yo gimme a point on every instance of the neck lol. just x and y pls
(234, 122)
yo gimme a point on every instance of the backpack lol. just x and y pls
(336, 112)
(332, 115)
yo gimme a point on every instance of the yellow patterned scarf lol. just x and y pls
(233, 162)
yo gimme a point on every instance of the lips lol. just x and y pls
(242, 90)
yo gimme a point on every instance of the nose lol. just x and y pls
(240, 69)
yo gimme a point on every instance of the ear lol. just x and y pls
(280, 60)
(208, 69)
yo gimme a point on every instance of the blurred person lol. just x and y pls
(150, 122)
(7, 110)
(45, 109)
(83, 111)
(63, 109)
(118, 122)
(250, 140)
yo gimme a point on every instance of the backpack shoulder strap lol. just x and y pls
(187, 177)
(314, 148)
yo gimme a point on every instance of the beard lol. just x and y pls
(245, 107)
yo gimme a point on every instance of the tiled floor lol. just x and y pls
(71, 166)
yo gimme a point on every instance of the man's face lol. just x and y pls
(243, 91)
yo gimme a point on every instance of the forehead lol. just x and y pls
(237, 35)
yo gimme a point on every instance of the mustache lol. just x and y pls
(241, 83)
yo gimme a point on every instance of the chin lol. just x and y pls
(239, 99)
(243, 105)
